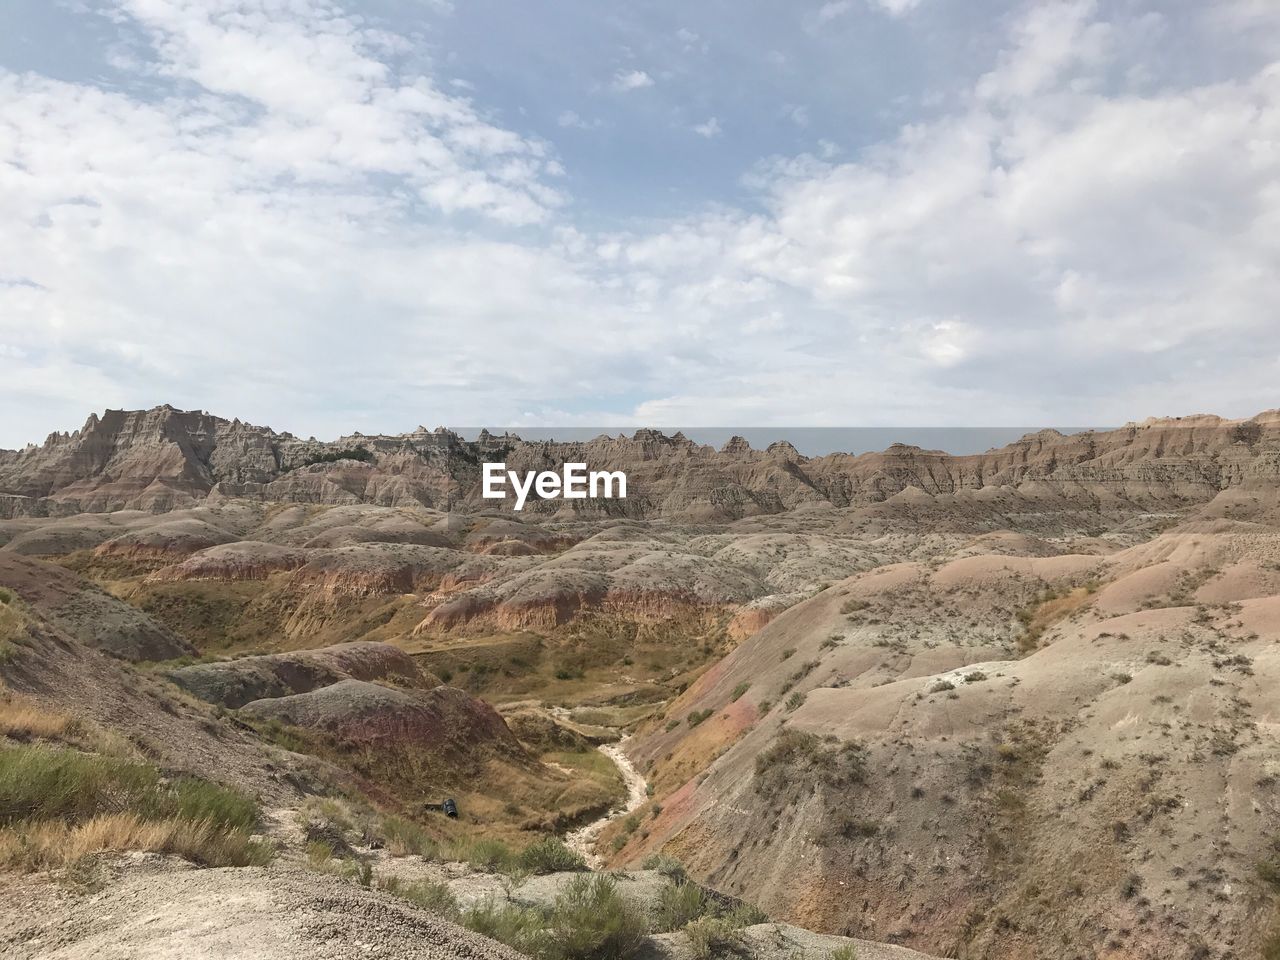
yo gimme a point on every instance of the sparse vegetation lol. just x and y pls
(738, 691)
(548, 855)
(669, 867)
(698, 716)
(711, 936)
(521, 928)
(590, 920)
(490, 855)
(57, 805)
(405, 837)
(798, 758)
(431, 895)
(349, 453)
(678, 904)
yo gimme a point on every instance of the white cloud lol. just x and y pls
(709, 128)
(356, 249)
(627, 80)
(896, 8)
(1086, 248)
(833, 9)
(797, 114)
(572, 120)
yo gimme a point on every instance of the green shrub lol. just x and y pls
(491, 855)
(711, 936)
(591, 920)
(319, 853)
(847, 952)
(698, 716)
(431, 895)
(738, 691)
(677, 905)
(521, 928)
(669, 867)
(38, 783)
(795, 701)
(405, 837)
(548, 855)
(200, 800)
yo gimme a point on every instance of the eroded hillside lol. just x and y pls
(1011, 705)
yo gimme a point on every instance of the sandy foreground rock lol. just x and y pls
(160, 910)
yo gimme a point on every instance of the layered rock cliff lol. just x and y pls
(159, 459)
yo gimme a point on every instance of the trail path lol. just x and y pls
(583, 840)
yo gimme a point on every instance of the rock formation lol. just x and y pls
(159, 459)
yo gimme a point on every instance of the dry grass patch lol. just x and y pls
(1037, 619)
(57, 843)
(25, 719)
(58, 805)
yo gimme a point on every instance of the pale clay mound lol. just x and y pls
(165, 911)
(1133, 751)
(158, 908)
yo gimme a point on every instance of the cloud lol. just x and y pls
(303, 232)
(1050, 246)
(896, 8)
(627, 80)
(709, 129)
(797, 114)
(834, 9)
(571, 120)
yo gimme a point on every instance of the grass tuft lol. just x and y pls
(548, 855)
(58, 805)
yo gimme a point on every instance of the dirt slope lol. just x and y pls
(1005, 756)
(164, 910)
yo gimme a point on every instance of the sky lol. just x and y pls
(328, 216)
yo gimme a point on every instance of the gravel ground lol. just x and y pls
(156, 908)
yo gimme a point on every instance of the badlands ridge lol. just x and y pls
(1010, 705)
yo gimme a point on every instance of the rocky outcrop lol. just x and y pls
(234, 683)
(158, 460)
(87, 612)
(356, 712)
